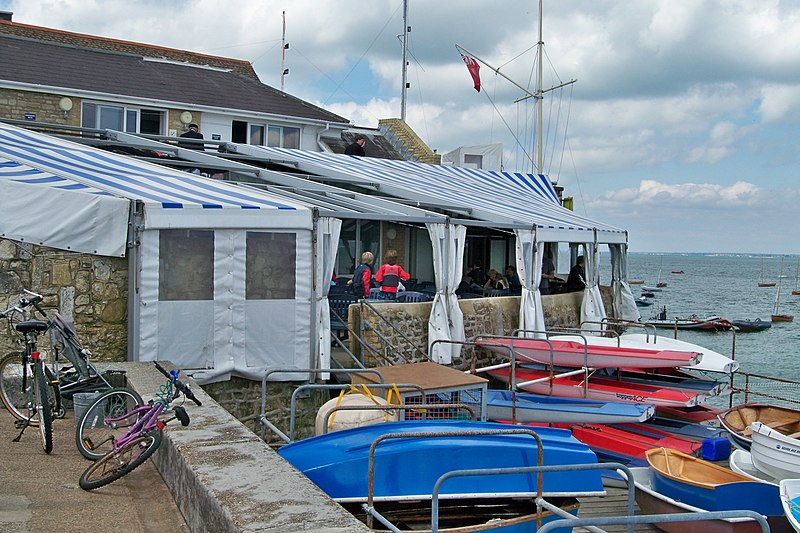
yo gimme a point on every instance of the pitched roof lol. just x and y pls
(67, 66)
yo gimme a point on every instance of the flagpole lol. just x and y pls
(539, 98)
(405, 62)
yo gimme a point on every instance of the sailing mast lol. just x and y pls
(284, 46)
(777, 317)
(406, 29)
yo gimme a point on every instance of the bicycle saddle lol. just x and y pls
(31, 325)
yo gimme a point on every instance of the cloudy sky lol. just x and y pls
(682, 127)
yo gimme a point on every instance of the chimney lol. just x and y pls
(6, 15)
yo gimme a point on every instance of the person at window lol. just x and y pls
(389, 275)
(193, 132)
(362, 276)
(514, 284)
(548, 273)
(477, 275)
(577, 276)
(495, 281)
(356, 147)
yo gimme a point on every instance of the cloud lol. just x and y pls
(683, 195)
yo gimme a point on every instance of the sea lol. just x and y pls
(726, 285)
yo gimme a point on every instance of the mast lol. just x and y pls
(284, 46)
(539, 99)
(406, 29)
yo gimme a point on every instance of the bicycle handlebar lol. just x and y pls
(183, 387)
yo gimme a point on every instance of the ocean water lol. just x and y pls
(727, 286)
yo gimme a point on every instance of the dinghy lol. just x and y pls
(525, 407)
(575, 354)
(651, 501)
(598, 388)
(741, 462)
(774, 453)
(790, 498)
(737, 421)
(710, 486)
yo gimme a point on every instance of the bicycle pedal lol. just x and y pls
(88, 443)
(19, 424)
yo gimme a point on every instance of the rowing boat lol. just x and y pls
(774, 453)
(737, 421)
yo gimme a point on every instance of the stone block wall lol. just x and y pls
(401, 131)
(14, 104)
(93, 290)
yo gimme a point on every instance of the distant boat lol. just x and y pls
(746, 326)
(648, 294)
(659, 283)
(761, 282)
(737, 421)
(796, 290)
(711, 323)
(648, 288)
(636, 282)
(678, 272)
(642, 301)
(777, 316)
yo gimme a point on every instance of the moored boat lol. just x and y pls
(741, 462)
(749, 326)
(710, 486)
(774, 453)
(737, 421)
(651, 501)
(576, 353)
(526, 407)
(598, 388)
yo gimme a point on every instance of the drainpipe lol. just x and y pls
(319, 136)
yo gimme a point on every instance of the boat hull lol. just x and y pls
(651, 501)
(737, 421)
(751, 326)
(407, 468)
(790, 498)
(741, 462)
(774, 453)
(525, 408)
(709, 486)
(576, 353)
(600, 389)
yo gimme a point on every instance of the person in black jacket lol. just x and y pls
(577, 277)
(357, 147)
(192, 133)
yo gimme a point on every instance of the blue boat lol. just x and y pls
(408, 468)
(709, 486)
(528, 407)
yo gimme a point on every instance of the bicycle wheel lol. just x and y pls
(116, 464)
(42, 406)
(14, 398)
(93, 436)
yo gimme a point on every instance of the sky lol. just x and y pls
(682, 126)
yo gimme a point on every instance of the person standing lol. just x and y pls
(193, 132)
(356, 147)
(362, 276)
(577, 277)
(389, 275)
(548, 273)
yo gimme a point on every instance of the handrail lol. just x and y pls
(395, 328)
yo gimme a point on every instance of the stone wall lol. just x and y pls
(93, 290)
(15, 104)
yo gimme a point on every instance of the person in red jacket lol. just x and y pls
(389, 275)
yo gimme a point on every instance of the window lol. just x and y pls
(122, 118)
(239, 132)
(186, 265)
(473, 161)
(270, 265)
(283, 137)
(257, 134)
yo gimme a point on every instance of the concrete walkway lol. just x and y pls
(40, 492)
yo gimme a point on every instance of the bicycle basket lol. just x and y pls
(64, 335)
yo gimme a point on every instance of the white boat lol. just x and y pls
(790, 498)
(710, 361)
(741, 462)
(774, 453)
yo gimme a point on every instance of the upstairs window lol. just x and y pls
(283, 137)
(122, 118)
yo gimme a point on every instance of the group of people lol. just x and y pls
(389, 276)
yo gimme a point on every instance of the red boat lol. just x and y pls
(576, 353)
(697, 413)
(631, 442)
(571, 385)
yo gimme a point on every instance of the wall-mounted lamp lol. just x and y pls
(65, 105)
(186, 118)
(391, 234)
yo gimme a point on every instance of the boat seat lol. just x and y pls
(775, 424)
(794, 435)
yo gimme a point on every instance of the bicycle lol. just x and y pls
(38, 410)
(81, 376)
(140, 440)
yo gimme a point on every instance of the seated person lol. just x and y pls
(577, 277)
(495, 281)
(514, 284)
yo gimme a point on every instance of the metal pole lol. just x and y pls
(405, 62)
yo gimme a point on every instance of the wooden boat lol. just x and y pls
(741, 462)
(598, 388)
(790, 499)
(407, 468)
(576, 353)
(747, 326)
(526, 407)
(636, 282)
(774, 453)
(709, 486)
(737, 421)
(651, 501)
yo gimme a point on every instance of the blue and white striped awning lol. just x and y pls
(507, 198)
(84, 194)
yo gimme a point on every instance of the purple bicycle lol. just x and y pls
(142, 437)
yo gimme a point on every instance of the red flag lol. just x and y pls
(474, 70)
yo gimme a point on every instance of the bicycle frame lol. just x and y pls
(147, 422)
